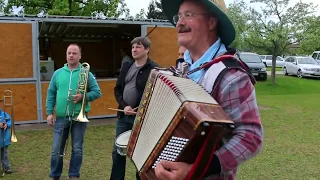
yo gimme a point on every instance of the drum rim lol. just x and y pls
(119, 145)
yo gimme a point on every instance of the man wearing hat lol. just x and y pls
(206, 32)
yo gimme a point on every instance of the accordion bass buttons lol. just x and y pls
(172, 150)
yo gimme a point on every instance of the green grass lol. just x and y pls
(291, 129)
(289, 111)
(277, 68)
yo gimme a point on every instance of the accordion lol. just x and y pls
(175, 119)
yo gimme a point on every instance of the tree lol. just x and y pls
(309, 35)
(98, 8)
(2, 6)
(155, 10)
(140, 15)
(271, 30)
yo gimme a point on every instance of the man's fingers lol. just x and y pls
(162, 173)
(169, 165)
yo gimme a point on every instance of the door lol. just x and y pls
(289, 65)
(19, 68)
(295, 66)
(164, 44)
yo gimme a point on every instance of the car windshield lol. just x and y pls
(250, 58)
(306, 61)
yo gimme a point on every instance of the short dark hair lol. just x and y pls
(75, 44)
(144, 41)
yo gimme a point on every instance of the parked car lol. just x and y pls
(316, 56)
(301, 66)
(267, 60)
(255, 65)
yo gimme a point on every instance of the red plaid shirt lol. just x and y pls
(236, 95)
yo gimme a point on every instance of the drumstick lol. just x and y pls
(122, 110)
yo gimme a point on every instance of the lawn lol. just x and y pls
(289, 112)
(277, 68)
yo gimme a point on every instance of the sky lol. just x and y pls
(136, 7)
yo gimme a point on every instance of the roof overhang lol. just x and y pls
(86, 27)
(85, 30)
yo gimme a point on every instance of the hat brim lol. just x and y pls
(226, 30)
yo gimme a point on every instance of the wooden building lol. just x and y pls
(32, 47)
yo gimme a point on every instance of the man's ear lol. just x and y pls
(213, 23)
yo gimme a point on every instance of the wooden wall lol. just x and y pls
(44, 88)
(107, 100)
(24, 101)
(164, 45)
(98, 107)
(16, 58)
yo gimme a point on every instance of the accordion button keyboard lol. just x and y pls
(172, 150)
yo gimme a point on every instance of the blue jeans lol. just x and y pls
(61, 133)
(5, 158)
(118, 170)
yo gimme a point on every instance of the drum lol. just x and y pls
(122, 143)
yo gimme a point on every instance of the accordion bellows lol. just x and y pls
(173, 120)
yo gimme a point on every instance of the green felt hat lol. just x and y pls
(226, 30)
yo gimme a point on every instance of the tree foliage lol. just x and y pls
(109, 8)
(272, 29)
(309, 36)
(155, 10)
(141, 14)
(2, 6)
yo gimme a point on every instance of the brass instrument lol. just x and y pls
(8, 95)
(82, 88)
(7, 102)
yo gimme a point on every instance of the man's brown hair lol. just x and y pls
(75, 44)
(144, 41)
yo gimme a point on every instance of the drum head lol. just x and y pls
(123, 139)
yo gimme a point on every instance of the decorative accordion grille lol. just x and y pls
(168, 95)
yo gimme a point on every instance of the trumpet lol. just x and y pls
(82, 88)
(8, 102)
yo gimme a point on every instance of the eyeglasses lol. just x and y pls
(186, 16)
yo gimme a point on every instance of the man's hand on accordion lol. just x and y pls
(167, 170)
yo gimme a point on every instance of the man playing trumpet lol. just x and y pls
(63, 94)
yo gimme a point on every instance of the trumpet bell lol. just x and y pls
(82, 118)
(14, 138)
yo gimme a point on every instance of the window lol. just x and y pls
(290, 59)
(306, 60)
(279, 58)
(269, 57)
(250, 58)
(315, 55)
(294, 60)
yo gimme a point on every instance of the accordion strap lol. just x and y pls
(206, 152)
